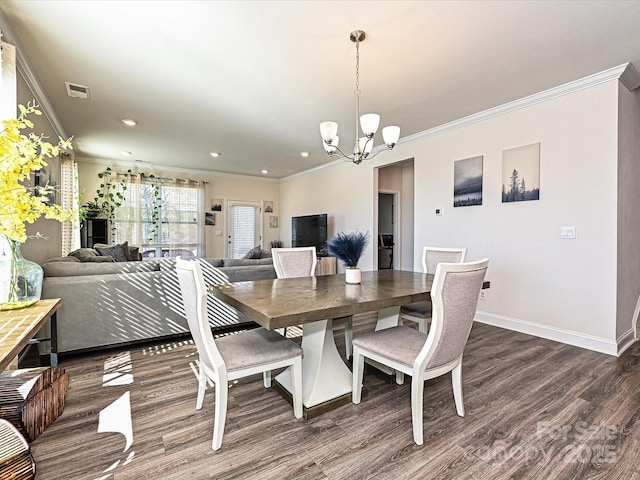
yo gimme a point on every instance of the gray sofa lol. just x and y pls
(111, 303)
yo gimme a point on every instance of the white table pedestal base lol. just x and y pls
(325, 376)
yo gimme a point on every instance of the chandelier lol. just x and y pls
(368, 123)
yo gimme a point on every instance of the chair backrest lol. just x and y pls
(454, 296)
(194, 298)
(294, 262)
(432, 256)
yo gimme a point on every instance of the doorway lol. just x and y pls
(394, 216)
(244, 227)
(387, 214)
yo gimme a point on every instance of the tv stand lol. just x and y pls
(327, 265)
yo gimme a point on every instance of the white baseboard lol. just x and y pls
(589, 342)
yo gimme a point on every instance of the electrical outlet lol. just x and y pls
(483, 295)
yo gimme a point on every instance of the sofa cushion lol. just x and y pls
(84, 254)
(246, 262)
(64, 259)
(66, 269)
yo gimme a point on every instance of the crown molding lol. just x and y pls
(24, 68)
(138, 167)
(615, 73)
(630, 78)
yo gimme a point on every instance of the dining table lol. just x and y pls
(313, 302)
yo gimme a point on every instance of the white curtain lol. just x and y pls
(70, 192)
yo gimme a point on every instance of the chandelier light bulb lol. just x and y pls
(328, 131)
(391, 134)
(369, 124)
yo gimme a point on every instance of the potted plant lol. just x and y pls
(23, 155)
(348, 247)
(92, 209)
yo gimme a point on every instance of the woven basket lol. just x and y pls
(32, 398)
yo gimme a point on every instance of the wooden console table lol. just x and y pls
(18, 327)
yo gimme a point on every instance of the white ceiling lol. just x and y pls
(253, 79)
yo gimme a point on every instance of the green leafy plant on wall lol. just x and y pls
(110, 194)
(152, 201)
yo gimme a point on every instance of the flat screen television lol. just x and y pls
(309, 231)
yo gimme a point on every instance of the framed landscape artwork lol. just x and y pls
(216, 204)
(467, 182)
(521, 173)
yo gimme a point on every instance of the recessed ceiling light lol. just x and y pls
(129, 122)
(214, 154)
(265, 171)
(304, 154)
(125, 153)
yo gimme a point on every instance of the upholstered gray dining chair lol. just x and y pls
(301, 262)
(420, 312)
(454, 295)
(233, 356)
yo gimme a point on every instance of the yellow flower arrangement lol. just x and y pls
(21, 155)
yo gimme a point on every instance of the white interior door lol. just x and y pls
(244, 227)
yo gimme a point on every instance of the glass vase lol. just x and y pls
(20, 279)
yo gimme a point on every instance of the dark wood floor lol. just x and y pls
(534, 409)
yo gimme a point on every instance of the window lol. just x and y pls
(164, 219)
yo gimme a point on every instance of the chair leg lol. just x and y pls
(456, 379)
(296, 374)
(220, 415)
(422, 325)
(399, 377)
(348, 337)
(417, 396)
(266, 376)
(202, 388)
(358, 373)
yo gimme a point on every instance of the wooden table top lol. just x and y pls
(19, 326)
(295, 301)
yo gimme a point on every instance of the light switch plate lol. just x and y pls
(568, 233)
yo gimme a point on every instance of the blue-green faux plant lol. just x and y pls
(348, 247)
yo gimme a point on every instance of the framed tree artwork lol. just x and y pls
(521, 173)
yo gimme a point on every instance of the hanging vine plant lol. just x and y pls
(110, 194)
(155, 204)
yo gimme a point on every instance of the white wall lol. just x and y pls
(562, 289)
(628, 213)
(41, 249)
(343, 191)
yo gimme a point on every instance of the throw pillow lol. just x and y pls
(115, 251)
(255, 252)
(134, 253)
(124, 245)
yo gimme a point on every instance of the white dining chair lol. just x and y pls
(454, 294)
(233, 356)
(301, 262)
(420, 312)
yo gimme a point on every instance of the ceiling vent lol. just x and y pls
(77, 91)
